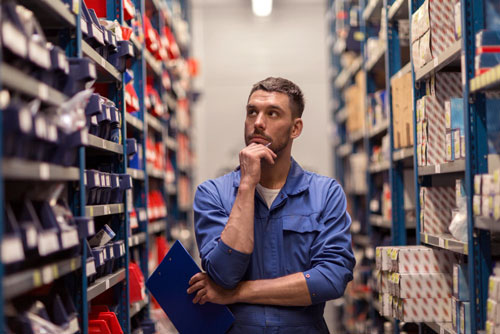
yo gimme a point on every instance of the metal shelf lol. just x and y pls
(372, 11)
(171, 143)
(378, 220)
(379, 129)
(105, 145)
(450, 56)
(137, 239)
(485, 223)
(107, 72)
(341, 116)
(52, 13)
(155, 173)
(104, 283)
(134, 121)
(154, 123)
(104, 210)
(443, 328)
(457, 166)
(152, 63)
(485, 81)
(344, 150)
(19, 169)
(17, 80)
(171, 189)
(19, 283)
(379, 167)
(404, 70)
(362, 240)
(444, 241)
(138, 306)
(398, 10)
(357, 136)
(137, 174)
(348, 73)
(157, 226)
(374, 62)
(402, 154)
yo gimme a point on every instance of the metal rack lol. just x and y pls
(458, 57)
(76, 270)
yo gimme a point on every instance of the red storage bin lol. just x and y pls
(137, 289)
(98, 327)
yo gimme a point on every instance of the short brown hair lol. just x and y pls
(280, 85)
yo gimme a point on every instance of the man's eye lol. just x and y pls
(251, 112)
(273, 113)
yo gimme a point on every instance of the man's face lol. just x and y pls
(269, 120)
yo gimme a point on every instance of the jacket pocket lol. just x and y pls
(302, 224)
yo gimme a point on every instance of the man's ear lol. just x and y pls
(297, 128)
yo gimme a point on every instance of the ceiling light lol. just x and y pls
(262, 7)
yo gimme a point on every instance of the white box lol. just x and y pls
(487, 187)
(425, 310)
(449, 152)
(487, 206)
(477, 184)
(423, 285)
(476, 205)
(496, 207)
(457, 145)
(494, 288)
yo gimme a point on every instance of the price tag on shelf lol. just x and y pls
(55, 271)
(37, 278)
(436, 62)
(438, 169)
(44, 171)
(441, 242)
(43, 91)
(446, 244)
(72, 264)
(426, 238)
(466, 250)
(47, 275)
(107, 284)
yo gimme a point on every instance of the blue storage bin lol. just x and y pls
(82, 74)
(115, 189)
(125, 51)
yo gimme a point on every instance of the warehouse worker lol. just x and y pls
(274, 239)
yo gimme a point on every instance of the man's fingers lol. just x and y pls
(197, 277)
(195, 287)
(199, 296)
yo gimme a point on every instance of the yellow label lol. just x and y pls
(55, 271)
(377, 252)
(446, 244)
(91, 211)
(426, 238)
(466, 250)
(76, 6)
(73, 264)
(37, 278)
(489, 328)
(490, 306)
(394, 254)
(491, 285)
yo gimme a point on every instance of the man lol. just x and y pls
(274, 239)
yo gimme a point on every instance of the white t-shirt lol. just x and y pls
(268, 194)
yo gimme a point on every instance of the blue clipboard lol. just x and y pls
(168, 284)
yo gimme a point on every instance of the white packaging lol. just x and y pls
(476, 205)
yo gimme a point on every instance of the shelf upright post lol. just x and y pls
(82, 304)
(479, 252)
(392, 66)
(114, 11)
(139, 68)
(2, 199)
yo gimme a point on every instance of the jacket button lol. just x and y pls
(308, 276)
(229, 251)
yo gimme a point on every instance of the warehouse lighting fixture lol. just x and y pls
(262, 7)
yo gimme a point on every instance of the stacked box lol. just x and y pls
(436, 205)
(433, 30)
(419, 286)
(486, 200)
(465, 324)
(460, 282)
(493, 304)
(424, 310)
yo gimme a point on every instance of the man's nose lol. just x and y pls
(260, 121)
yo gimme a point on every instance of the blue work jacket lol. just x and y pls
(305, 230)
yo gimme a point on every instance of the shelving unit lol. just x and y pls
(367, 226)
(81, 269)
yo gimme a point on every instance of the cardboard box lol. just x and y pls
(487, 187)
(421, 259)
(402, 108)
(437, 204)
(447, 86)
(476, 205)
(465, 324)
(458, 20)
(457, 144)
(385, 304)
(424, 310)
(435, 136)
(355, 110)
(487, 206)
(455, 314)
(460, 282)
(422, 285)
(496, 182)
(449, 152)
(496, 207)
(492, 310)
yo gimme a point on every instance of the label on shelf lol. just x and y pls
(14, 39)
(12, 250)
(69, 238)
(43, 91)
(47, 275)
(441, 242)
(90, 268)
(31, 236)
(438, 169)
(426, 238)
(91, 228)
(47, 243)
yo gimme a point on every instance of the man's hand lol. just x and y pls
(208, 291)
(250, 162)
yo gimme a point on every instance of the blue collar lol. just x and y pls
(296, 182)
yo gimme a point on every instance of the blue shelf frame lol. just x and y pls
(78, 277)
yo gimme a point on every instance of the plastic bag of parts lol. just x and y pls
(458, 226)
(70, 116)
